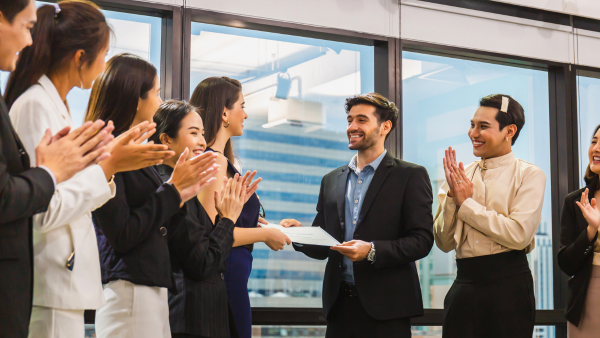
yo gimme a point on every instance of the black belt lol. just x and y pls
(488, 268)
(348, 290)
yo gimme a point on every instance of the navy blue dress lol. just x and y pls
(239, 266)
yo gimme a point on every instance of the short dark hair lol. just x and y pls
(515, 114)
(168, 118)
(10, 8)
(591, 179)
(117, 91)
(385, 110)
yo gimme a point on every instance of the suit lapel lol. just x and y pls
(381, 174)
(6, 120)
(152, 175)
(340, 194)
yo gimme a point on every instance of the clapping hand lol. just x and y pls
(230, 202)
(590, 212)
(191, 176)
(128, 153)
(461, 187)
(67, 153)
(250, 188)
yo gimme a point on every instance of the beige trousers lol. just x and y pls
(47, 322)
(589, 324)
(133, 311)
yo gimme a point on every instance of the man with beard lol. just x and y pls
(380, 208)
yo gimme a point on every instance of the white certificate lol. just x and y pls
(305, 235)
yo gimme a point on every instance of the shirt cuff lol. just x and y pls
(51, 175)
(449, 204)
(466, 210)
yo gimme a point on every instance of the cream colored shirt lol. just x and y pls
(503, 214)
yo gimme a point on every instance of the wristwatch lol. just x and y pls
(371, 254)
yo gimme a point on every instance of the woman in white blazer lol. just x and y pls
(70, 42)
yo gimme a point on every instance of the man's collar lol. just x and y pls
(497, 162)
(375, 164)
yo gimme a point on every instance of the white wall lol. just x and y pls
(380, 17)
(369, 16)
(165, 2)
(452, 26)
(433, 23)
(587, 8)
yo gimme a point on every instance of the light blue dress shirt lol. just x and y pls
(356, 189)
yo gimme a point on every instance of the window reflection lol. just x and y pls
(294, 90)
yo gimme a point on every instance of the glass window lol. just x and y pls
(440, 96)
(132, 33)
(588, 106)
(295, 133)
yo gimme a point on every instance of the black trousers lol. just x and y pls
(348, 319)
(492, 297)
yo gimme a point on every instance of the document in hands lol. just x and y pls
(305, 235)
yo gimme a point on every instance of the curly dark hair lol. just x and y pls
(385, 110)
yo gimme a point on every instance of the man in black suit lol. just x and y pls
(25, 191)
(380, 208)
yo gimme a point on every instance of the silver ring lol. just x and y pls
(459, 182)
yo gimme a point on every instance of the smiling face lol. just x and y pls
(190, 135)
(364, 130)
(15, 36)
(594, 153)
(235, 117)
(485, 134)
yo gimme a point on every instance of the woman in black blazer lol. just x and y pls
(579, 255)
(198, 303)
(133, 228)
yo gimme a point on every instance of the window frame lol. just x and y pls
(175, 77)
(386, 49)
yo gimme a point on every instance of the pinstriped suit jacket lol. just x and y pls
(198, 303)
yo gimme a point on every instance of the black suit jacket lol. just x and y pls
(397, 216)
(23, 192)
(198, 303)
(576, 254)
(133, 229)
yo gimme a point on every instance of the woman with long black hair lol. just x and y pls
(222, 109)
(198, 303)
(70, 41)
(579, 254)
(134, 227)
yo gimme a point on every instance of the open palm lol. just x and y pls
(589, 210)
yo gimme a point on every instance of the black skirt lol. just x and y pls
(491, 297)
